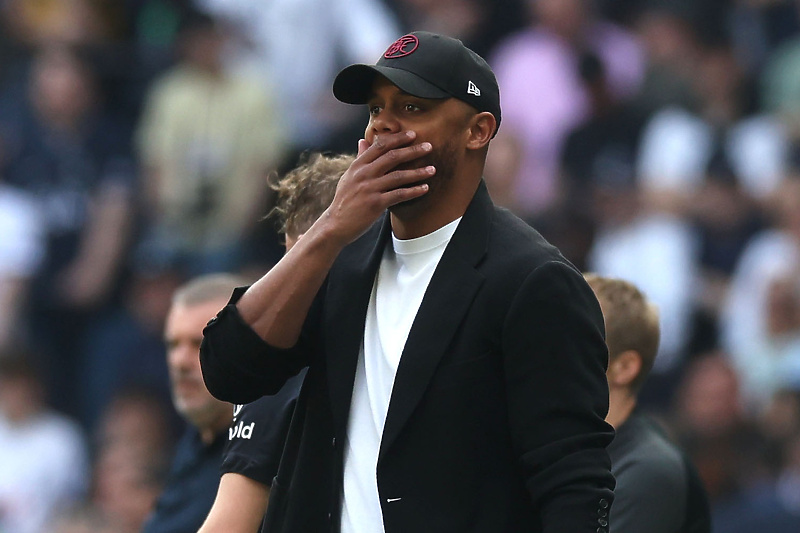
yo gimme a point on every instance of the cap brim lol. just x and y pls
(353, 85)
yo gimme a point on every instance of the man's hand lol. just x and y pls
(373, 183)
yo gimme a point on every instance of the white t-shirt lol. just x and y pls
(401, 282)
(44, 470)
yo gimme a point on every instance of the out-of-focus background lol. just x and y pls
(653, 140)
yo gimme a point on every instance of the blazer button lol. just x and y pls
(603, 503)
(601, 530)
(333, 442)
(602, 512)
(602, 521)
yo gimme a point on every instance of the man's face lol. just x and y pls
(442, 122)
(183, 335)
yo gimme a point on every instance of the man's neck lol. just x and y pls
(621, 405)
(412, 221)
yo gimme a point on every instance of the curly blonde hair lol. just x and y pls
(304, 193)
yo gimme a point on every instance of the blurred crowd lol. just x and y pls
(652, 140)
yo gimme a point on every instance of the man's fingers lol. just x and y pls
(403, 178)
(392, 159)
(404, 194)
(385, 143)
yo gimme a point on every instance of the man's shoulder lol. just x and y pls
(516, 243)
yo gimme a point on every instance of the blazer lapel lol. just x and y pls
(447, 299)
(346, 302)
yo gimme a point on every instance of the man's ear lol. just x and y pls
(481, 129)
(624, 369)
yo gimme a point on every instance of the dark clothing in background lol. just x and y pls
(658, 490)
(191, 486)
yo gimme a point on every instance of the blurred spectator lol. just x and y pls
(76, 162)
(544, 97)
(655, 251)
(758, 27)
(679, 143)
(780, 80)
(194, 476)
(711, 423)
(669, 35)
(125, 347)
(21, 250)
(135, 440)
(298, 46)
(598, 154)
(725, 218)
(41, 22)
(207, 141)
(43, 457)
(770, 503)
(479, 24)
(760, 323)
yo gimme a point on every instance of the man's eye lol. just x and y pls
(374, 110)
(411, 108)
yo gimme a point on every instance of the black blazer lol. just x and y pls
(496, 419)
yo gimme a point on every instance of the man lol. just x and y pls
(194, 475)
(658, 490)
(456, 362)
(258, 432)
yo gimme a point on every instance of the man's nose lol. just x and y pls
(385, 122)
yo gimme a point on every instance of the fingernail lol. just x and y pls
(426, 146)
(411, 134)
(431, 169)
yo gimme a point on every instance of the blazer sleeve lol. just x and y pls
(239, 366)
(556, 358)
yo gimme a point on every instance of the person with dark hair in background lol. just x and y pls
(456, 361)
(658, 489)
(194, 476)
(61, 147)
(257, 435)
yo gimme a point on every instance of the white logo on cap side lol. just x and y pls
(473, 89)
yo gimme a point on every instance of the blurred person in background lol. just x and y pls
(73, 22)
(680, 142)
(193, 479)
(125, 347)
(135, 441)
(545, 97)
(479, 24)
(21, 252)
(132, 446)
(760, 322)
(751, 464)
(725, 218)
(710, 422)
(654, 252)
(258, 432)
(297, 46)
(207, 141)
(658, 489)
(62, 148)
(598, 154)
(44, 467)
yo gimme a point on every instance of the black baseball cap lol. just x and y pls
(426, 65)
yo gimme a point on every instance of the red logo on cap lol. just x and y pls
(402, 47)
